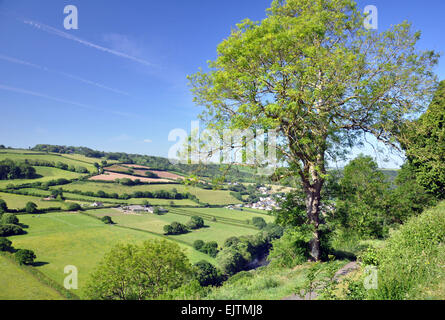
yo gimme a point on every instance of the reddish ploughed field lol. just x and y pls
(160, 174)
(111, 176)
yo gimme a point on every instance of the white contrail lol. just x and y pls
(77, 104)
(25, 63)
(65, 35)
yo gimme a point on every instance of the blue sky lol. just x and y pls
(118, 83)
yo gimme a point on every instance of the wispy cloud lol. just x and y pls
(148, 141)
(64, 101)
(89, 82)
(59, 33)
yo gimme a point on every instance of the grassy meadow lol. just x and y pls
(214, 231)
(60, 239)
(45, 174)
(18, 284)
(215, 197)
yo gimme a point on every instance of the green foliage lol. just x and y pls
(175, 228)
(259, 222)
(107, 220)
(9, 218)
(198, 244)
(207, 274)
(190, 291)
(210, 248)
(7, 230)
(195, 222)
(291, 249)
(5, 244)
(11, 170)
(3, 206)
(147, 271)
(408, 198)
(362, 206)
(413, 257)
(25, 256)
(230, 261)
(31, 207)
(74, 207)
(310, 70)
(424, 144)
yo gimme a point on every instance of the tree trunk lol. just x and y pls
(313, 211)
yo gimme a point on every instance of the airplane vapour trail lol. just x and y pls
(44, 96)
(96, 84)
(67, 36)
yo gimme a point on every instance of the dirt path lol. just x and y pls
(351, 266)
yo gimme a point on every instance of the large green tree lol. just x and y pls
(131, 272)
(311, 71)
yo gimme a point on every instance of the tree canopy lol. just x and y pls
(314, 74)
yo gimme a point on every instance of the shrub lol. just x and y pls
(5, 244)
(107, 220)
(74, 207)
(9, 218)
(413, 256)
(3, 206)
(259, 222)
(230, 261)
(195, 223)
(207, 274)
(175, 228)
(25, 256)
(210, 248)
(10, 230)
(198, 244)
(291, 249)
(31, 207)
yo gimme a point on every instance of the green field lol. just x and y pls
(216, 197)
(16, 201)
(61, 239)
(75, 160)
(18, 284)
(46, 173)
(242, 215)
(217, 231)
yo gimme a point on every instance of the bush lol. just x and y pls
(175, 228)
(3, 206)
(24, 256)
(198, 244)
(10, 230)
(207, 274)
(107, 220)
(195, 223)
(230, 261)
(291, 249)
(31, 207)
(259, 222)
(210, 248)
(5, 244)
(9, 218)
(74, 207)
(411, 263)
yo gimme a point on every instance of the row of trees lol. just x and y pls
(157, 194)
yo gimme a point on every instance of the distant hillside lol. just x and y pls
(233, 173)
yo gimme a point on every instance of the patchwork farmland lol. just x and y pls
(65, 226)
